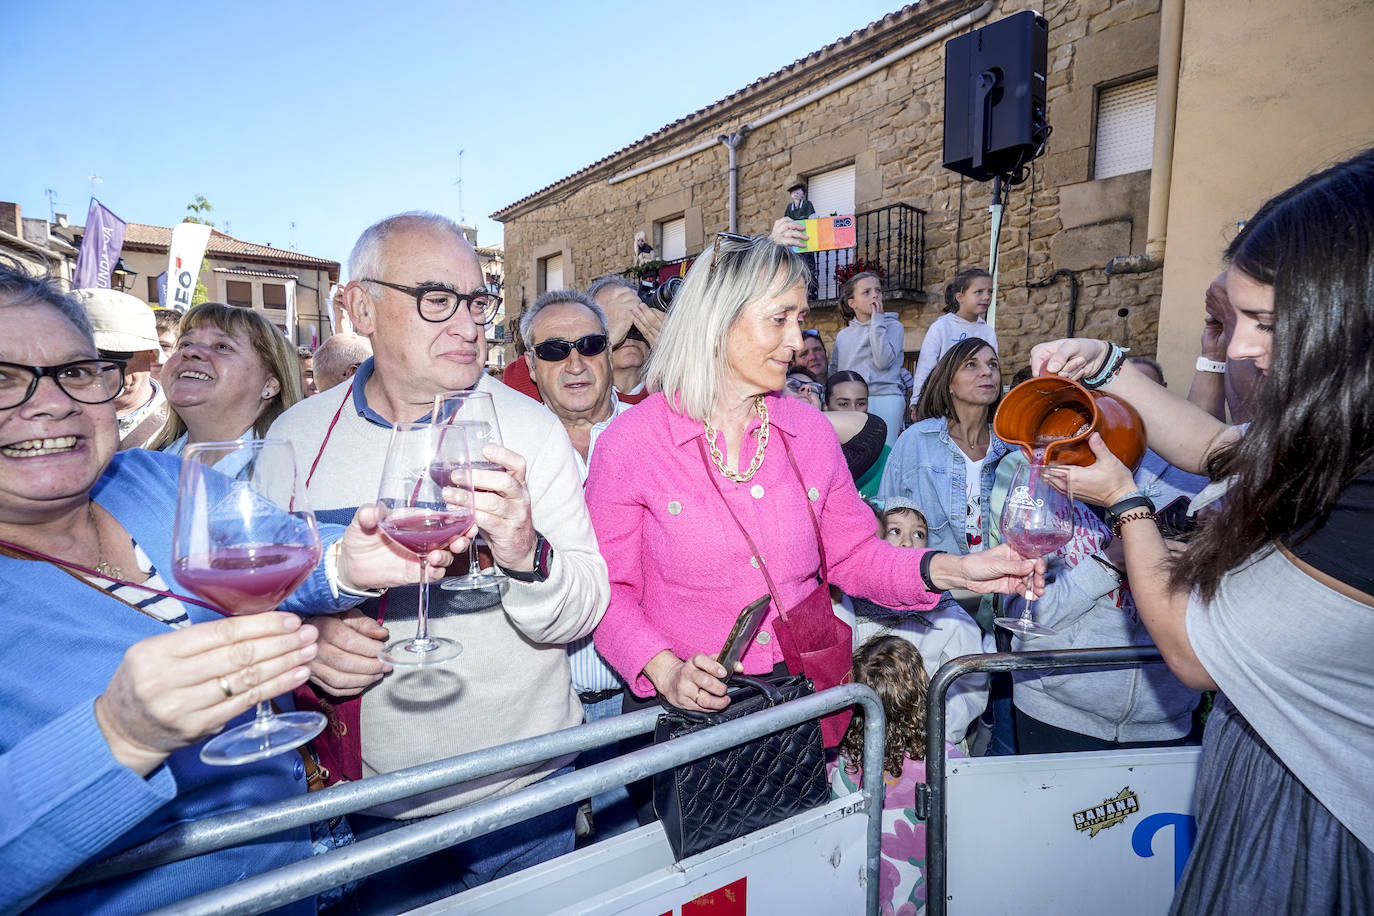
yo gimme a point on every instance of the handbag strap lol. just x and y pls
(763, 566)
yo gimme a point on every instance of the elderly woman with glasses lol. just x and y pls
(715, 490)
(112, 681)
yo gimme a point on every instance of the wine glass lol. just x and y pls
(421, 460)
(474, 414)
(244, 538)
(1037, 520)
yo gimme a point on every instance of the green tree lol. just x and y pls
(198, 211)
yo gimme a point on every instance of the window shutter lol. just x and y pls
(553, 272)
(1125, 129)
(831, 192)
(674, 240)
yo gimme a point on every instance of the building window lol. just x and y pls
(152, 291)
(274, 296)
(832, 194)
(239, 293)
(1125, 128)
(553, 273)
(672, 239)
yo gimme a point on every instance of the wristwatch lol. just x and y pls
(543, 557)
(1112, 517)
(1210, 365)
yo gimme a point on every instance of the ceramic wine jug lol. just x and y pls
(1059, 414)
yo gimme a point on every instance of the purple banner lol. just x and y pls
(100, 248)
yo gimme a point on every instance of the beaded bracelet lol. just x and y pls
(1132, 515)
(1111, 365)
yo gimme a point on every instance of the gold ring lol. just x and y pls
(224, 685)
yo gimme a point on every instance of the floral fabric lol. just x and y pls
(902, 867)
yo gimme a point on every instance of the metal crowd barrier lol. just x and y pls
(935, 813)
(311, 876)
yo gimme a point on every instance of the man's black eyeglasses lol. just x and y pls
(728, 237)
(436, 302)
(556, 349)
(89, 381)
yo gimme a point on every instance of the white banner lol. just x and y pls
(183, 262)
(291, 310)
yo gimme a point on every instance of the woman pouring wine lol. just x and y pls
(1272, 601)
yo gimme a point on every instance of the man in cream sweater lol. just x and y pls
(512, 680)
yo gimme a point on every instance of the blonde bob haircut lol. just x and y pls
(688, 362)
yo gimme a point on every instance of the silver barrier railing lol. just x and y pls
(935, 803)
(311, 876)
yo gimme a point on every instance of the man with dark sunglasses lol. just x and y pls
(570, 361)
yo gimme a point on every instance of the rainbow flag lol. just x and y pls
(828, 233)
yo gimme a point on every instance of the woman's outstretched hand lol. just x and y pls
(1000, 570)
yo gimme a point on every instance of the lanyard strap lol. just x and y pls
(68, 567)
(325, 441)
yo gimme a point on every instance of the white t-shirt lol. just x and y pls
(973, 489)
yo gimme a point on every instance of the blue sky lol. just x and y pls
(331, 115)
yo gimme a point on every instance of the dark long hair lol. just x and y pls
(839, 378)
(935, 399)
(1313, 427)
(960, 284)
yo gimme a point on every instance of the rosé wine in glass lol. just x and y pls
(244, 539)
(1037, 520)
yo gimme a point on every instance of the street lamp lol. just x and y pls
(123, 276)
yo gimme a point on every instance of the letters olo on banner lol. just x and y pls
(183, 262)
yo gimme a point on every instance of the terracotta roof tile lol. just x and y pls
(222, 245)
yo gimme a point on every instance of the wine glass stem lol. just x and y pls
(263, 716)
(474, 568)
(1026, 611)
(422, 626)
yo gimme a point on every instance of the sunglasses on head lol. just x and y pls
(557, 349)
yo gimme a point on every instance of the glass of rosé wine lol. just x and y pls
(244, 539)
(421, 461)
(1037, 520)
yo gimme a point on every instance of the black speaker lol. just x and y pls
(995, 120)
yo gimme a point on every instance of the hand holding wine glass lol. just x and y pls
(244, 543)
(422, 460)
(1037, 520)
(472, 414)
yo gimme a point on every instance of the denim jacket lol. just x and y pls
(926, 467)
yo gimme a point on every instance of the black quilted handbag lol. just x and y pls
(722, 797)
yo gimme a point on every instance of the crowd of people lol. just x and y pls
(661, 469)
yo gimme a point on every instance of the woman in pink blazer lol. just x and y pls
(677, 481)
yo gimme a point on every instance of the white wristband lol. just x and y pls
(1210, 365)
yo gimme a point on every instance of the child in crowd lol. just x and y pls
(942, 633)
(895, 670)
(872, 344)
(967, 299)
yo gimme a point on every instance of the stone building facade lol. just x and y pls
(874, 100)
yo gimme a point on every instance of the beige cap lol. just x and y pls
(122, 323)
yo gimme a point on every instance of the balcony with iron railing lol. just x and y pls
(890, 240)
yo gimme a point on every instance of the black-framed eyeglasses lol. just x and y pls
(728, 237)
(556, 349)
(89, 381)
(437, 302)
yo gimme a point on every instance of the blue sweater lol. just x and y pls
(65, 799)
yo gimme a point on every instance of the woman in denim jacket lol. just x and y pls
(931, 463)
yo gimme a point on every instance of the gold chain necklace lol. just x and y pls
(105, 569)
(719, 460)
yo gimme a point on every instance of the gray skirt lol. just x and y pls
(1264, 843)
